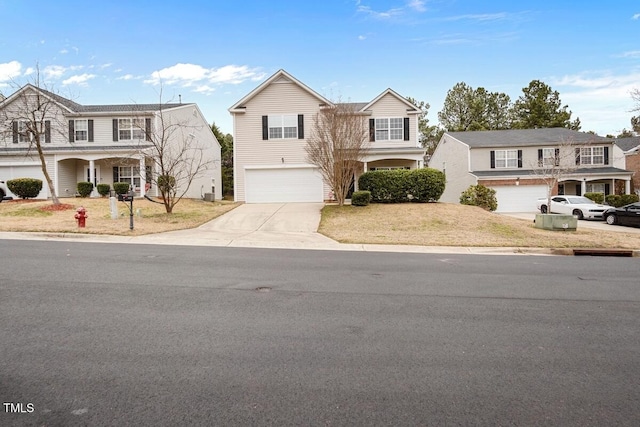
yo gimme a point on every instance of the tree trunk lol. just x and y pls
(47, 177)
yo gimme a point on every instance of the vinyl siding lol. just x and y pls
(452, 157)
(249, 147)
(390, 107)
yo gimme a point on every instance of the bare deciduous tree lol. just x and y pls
(27, 116)
(176, 154)
(337, 145)
(555, 164)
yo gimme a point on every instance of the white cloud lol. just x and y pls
(417, 5)
(636, 16)
(205, 89)
(387, 14)
(362, 37)
(80, 79)
(602, 101)
(126, 77)
(631, 54)
(188, 75)
(483, 17)
(53, 71)
(10, 70)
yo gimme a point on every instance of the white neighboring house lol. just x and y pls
(100, 144)
(270, 127)
(505, 161)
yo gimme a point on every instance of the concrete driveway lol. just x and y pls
(273, 225)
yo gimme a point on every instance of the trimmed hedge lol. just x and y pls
(121, 187)
(479, 195)
(84, 188)
(401, 185)
(596, 197)
(103, 189)
(360, 198)
(25, 187)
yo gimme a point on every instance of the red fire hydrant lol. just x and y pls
(81, 216)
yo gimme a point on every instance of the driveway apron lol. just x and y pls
(274, 225)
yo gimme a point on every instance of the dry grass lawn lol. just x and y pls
(42, 216)
(443, 224)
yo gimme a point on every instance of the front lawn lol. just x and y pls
(444, 224)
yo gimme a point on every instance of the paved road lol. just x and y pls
(156, 335)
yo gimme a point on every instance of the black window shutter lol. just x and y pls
(265, 128)
(15, 132)
(577, 156)
(519, 158)
(493, 159)
(116, 175)
(115, 129)
(607, 189)
(300, 126)
(606, 155)
(556, 155)
(47, 131)
(372, 130)
(90, 126)
(147, 129)
(72, 135)
(540, 158)
(406, 128)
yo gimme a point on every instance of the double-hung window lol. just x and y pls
(24, 134)
(283, 126)
(81, 129)
(130, 129)
(592, 156)
(389, 129)
(506, 159)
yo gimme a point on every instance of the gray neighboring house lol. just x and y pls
(631, 149)
(100, 143)
(505, 160)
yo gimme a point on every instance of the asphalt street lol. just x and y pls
(113, 334)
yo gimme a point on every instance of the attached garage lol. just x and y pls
(9, 172)
(278, 184)
(519, 198)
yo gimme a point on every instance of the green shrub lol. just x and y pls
(479, 195)
(613, 200)
(25, 187)
(85, 188)
(627, 199)
(424, 185)
(596, 197)
(401, 185)
(121, 187)
(360, 198)
(103, 189)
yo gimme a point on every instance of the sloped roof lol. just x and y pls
(280, 74)
(526, 137)
(627, 144)
(74, 107)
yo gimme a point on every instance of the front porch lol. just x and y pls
(390, 158)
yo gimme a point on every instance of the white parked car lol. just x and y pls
(3, 190)
(578, 206)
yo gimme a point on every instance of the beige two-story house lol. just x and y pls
(104, 143)
(512, 163)
(271, 125)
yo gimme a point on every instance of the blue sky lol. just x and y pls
(215, 52)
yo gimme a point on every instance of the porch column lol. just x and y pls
(92, 178)
(143, 178)
(583, 187)
(627, 186)
(366, 166)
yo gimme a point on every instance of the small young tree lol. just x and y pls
(555, 164)
(337, 145)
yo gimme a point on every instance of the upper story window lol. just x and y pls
(132, 129)
(283, 126)
(506, 158)
(548, 157)
(592, 156)
(81, 130)
(389, 129)
(23, 132)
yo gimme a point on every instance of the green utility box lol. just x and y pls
(556, 222)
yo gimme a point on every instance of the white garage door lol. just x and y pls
(520, 198)
(13, 172)
(275, 185)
